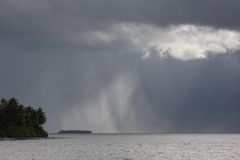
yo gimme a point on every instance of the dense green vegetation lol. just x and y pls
(18, 121)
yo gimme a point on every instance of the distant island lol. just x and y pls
(74, 132)
(19, 121)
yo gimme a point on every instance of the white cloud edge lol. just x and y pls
(184, 42)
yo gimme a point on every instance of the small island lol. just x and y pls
(74, 132)
(19, 121)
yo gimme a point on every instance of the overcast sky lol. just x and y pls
(124, 66)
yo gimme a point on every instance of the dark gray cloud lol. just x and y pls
(46, 61)
(195, 96)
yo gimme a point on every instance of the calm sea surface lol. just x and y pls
(125, 147)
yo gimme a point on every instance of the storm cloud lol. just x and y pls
(124, 66)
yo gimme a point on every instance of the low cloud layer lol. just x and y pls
(124, 66)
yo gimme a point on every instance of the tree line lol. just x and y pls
(19, 121)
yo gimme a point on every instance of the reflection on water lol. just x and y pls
(124, 147)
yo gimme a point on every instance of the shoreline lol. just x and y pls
(21, 139)
(51, 135)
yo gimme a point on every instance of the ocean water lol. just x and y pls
(125, 147)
